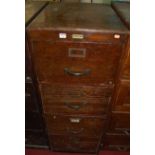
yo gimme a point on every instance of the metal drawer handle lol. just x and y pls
(75, 107)
(73, 73)
(75, 120)
(75, 132)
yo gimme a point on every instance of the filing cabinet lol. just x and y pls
(76, 62)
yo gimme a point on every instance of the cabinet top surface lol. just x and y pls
(31, 8)
(73, 16)
(123, 9)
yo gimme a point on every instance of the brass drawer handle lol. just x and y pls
(75, 120)
(75, 107)
(73, 73)
(75, 132)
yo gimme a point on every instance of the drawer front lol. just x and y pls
(83, 126)
(122, 96)
(74, 144)
(31, 104)
(33, 121)
(76, 100)
(77, 107)
(76, 91)
(120, 121)
(76, 62)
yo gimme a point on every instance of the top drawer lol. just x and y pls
(75, 62)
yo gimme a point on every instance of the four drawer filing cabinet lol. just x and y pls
(77, 52)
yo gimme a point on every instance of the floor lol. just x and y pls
(46, 152)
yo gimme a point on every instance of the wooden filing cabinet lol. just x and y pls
(118, 134)
(76, 60)
(34, 127)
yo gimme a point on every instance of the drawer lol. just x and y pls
(120, 120)
(31, 102)
(77, 107)
(72, 62)
(76, 91)
(73, 143)
(83, 126)
(122, 97)
(33, 121)
(75, 100)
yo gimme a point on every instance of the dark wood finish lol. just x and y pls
(76, 125)
(117, 139)
(33, 121)
(35, 139)
(77, 16)
(122, 96)
(34, 126)
(117, 147)
(119, 121)
(76, 99)
(74, 143)
(52, 58)
(77, 61)
(118, 135)
(125, 66)
(123, 11)
(30, 98)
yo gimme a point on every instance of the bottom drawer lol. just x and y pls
(35, 139)
(73, 143)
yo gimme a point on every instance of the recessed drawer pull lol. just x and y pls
(74, 73)
(75, 132)
(75, 107)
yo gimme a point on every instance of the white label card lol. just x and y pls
(62, 35)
